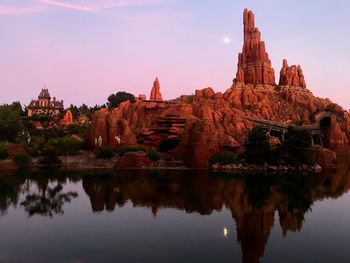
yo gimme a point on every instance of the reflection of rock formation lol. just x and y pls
(253, 230)
(291, 196)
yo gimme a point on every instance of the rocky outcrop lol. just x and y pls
(194, 128)
(133, 160)
(254, 65)
(67, 119)
(155, 92)
(292, 76)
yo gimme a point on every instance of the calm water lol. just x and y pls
(174, 217)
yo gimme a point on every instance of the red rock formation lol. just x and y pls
(291, 76)
(194, 128)
(254, 65)
(67, 119)
(155, 92)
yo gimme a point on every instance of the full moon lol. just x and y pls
(227, 40)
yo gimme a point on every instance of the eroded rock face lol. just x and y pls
(194, 128)
(292, 76)
(254, 65)
(67, 119)
(155, 92)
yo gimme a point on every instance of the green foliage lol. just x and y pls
(22, 160)
(36, 146)
(297, 146)
(3, 152)
(10, 122)
(154, 155)
(67, 145)
(104, 153)
(51, 158)
(121, 151)
(225, 158)
(115, 99)
(257, 146)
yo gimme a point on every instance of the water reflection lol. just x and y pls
(253, 200)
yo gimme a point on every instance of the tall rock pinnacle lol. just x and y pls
(155, 92)
(254, 65)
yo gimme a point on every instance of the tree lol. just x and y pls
(115, 99)
(10, 122)
(297, 146)
(257, 146)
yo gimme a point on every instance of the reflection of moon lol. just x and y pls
(227, 40)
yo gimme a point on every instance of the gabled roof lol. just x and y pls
(44, 94)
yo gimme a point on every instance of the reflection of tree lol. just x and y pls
(8, 195)
(49, 202)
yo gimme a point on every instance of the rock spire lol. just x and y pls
(155, 92)
(291, 76)
(254, 65)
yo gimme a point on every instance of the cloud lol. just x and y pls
(97, 6)
(91, 6)
(84, 8)
(19, 10)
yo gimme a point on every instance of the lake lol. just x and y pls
(174, 216)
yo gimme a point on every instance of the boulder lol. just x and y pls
(133, 160)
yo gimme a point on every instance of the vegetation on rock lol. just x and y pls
(115, 99)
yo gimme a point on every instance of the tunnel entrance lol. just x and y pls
(325, 123)
(168, 145)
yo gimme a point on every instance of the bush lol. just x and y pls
(3, 152)
(51, 158)
(115, 99)
(297, 146)
(123, 150)
(104, 153)
(36, 146)
(225, 158)
(257, 146)
(68, 145)
(154, 155)
(22, 160)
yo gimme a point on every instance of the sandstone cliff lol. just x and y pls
(194, 128)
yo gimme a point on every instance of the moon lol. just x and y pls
(227, 40)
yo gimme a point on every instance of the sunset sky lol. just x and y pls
(84, 50)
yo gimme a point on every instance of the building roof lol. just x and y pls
(44, 94)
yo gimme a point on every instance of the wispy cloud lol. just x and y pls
(90, 6)
(98, 6)
(19, 10)
(84, 8)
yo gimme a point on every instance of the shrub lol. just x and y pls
(3, 152)
(257, 146)
(297, 146)
(36, 146)
(154, 155)
(22, 160)
(115, 99)
(104, 153)
(225, 158)
(68, 145)
(121, 151)
(51, 158)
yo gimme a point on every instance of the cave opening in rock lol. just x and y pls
(168, 145)
(326, 124)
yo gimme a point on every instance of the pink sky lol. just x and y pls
(84, 50)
